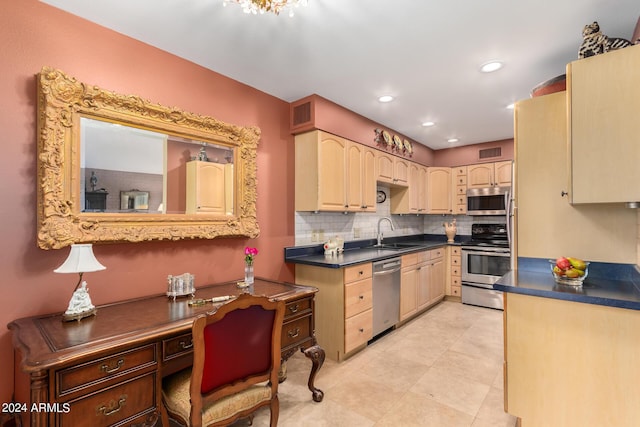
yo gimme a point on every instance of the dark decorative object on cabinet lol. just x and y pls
(594, 42)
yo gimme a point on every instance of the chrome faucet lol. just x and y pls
(379, 232)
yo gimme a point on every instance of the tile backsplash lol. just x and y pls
(312, 228)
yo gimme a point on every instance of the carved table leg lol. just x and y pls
(316, 354)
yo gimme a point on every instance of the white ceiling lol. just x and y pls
(425, 53)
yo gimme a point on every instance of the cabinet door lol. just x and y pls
(437, 279)
(369, 191)
(354, 179)
(414, 187)
(423, 274)
(205, 187)
(422, 189)
(384, 167)
(400, 172)
(408, 292)
(604, 96)
(332, 173)
(438, 190)
(479, 176)
(502, 173)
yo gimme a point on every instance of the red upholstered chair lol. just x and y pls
(236, 359)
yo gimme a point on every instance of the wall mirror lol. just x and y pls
(117, 167)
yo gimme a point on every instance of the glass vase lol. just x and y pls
(248, 273)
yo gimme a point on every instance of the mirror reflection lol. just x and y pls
(124, 169)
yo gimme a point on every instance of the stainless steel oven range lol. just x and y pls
(485, 259)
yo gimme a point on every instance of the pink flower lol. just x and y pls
(249, 253)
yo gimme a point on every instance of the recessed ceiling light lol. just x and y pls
(491, 66)
(385, 98)
(427, 124)
(452, 140)
(511, 106)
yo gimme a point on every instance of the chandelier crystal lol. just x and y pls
(262, 6)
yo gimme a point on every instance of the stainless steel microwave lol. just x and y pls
(488, 201)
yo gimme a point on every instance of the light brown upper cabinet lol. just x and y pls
(439, 190)
(333, 174)
(496, 174)
(206, 183)
(411, 199)
(603, 128)
(392, 169)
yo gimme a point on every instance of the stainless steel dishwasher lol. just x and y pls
(386, 294)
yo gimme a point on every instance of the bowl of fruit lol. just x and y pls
(569, 271)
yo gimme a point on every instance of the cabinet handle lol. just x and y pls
(360, 272)
(113, 406)
(563, 193)
(294, 333)
(185, 345)
(293, 308)
(105, 368)
(361, 297)
(361, 330)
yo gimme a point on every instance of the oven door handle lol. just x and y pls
(487, 253)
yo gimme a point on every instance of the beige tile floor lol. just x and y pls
(444, 368)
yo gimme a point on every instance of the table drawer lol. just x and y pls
(104, 369)
(176, 346)
(358, 330)
(357, 272)
(296, 331)
(358, 297)
(112, 405)
(295, 308)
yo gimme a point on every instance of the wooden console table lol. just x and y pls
(107, 370)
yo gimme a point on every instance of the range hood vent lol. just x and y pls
(488, 153)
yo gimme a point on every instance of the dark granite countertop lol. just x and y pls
(361, 251)
(614, 285)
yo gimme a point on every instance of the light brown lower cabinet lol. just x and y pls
(422, 281)
(570, 364)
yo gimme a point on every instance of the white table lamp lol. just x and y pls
(80, 260)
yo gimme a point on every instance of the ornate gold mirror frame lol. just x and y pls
(62, 102)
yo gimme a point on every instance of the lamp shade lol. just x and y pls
(80, 260)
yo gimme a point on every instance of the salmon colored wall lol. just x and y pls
(33, 34)
(337, 120)
(468, 154)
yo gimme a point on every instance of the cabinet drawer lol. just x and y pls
(456, 251)
(461, 190)
(456, 270)
(358, 297)
(460, 209)
(423, 257)
(456, 281)
(176, 346)
(455, 291)
(461, 180)
(437, 253)
(358, 330)
(100, 370)
(460, 170)
(461, 200)
(456, 260)
(112, 405)
(296, 308)
(409, 259)
(296, 331)
(357, 272)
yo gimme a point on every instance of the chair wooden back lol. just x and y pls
(235, 347)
